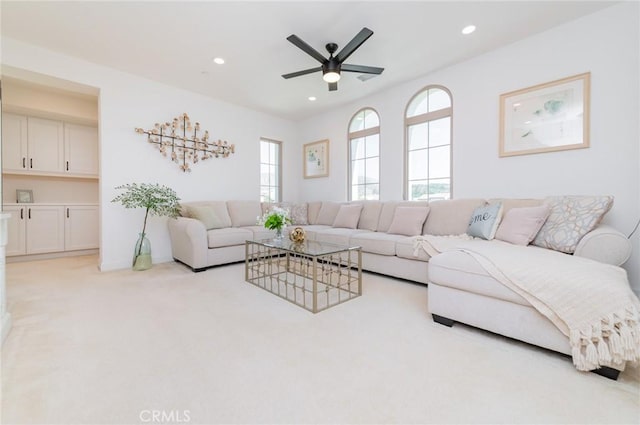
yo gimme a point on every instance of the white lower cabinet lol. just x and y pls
(41, 229)
(16, 231)
(81, 227)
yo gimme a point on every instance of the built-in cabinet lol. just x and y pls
(40, 229)
(41, 146)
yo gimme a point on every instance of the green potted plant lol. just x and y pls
(155, 199)
(275, 219)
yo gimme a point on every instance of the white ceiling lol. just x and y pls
(174, 42)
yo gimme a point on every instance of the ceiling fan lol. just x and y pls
(331, 67)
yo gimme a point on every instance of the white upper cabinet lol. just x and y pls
(81, 149)
(14, 142)
(45, 145)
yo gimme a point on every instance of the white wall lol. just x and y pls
(605, 43)
(126, 102)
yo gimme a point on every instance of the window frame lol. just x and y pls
(424, 118)
(356, 135)
(279, 167)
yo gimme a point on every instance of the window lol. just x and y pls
(364, 155)
(428, 145)
(270, 170)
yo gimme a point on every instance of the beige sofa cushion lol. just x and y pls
(208, 216)
(509, 203)
(450, 217)
(228, 236)
(520, 225)
(313, 208)
(405, 249)
(338, 236)
(244, 213)
(389, 208)
(312, 230)
(348, 216)
(377, 242)
(219, 208)
(328, 212)
(408, 221)
(370, 215)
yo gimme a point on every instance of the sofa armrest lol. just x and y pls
(189, 241)
(605, 244)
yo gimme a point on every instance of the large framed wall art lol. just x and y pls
(316, 159)
(548, 117)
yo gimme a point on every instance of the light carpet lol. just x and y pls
(118, 347)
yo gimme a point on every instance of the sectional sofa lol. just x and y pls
(213, 233)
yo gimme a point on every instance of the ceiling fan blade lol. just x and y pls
(360, 38)
(306, 48)
(361, 69)
(304, 72)
(333, 86)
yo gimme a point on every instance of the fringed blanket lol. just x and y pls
(590, 302)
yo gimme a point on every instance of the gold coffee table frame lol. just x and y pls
(312, 275)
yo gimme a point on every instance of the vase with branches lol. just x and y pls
(156, 200)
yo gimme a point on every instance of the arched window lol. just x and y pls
(428, 145)
(364, 155)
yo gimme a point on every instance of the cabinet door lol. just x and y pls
(45, 229)
(45, 145)
(81, 149)
(14, 142)
(81, 227)
(16, 226)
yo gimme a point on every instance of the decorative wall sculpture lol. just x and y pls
(185, 143)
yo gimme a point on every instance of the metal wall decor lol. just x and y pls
(185, 143)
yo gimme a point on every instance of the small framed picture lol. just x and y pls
(24, 196)
(316, 159)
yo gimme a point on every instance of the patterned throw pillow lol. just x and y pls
(484, 221)
(570, 219)
(298, 212)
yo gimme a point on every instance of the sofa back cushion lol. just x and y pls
(570, 219)
(509, 203)
(370, 215)
(408, 221)
(208, 216)
(244, 213)
(313, 208)
(328, 212)
(348, 216)
(218, 209)
(451, 216)
(388, 210)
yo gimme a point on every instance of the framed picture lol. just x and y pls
(24, 196)
(545, 118)
(316, 159)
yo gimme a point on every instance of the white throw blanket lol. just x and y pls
(590, 302)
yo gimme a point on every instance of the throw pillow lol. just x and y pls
(408, 220)
(207, 216)
(327, 213)
(520, 225)
(348, 216)
(299, 213)
(570, 219)
(484, 221)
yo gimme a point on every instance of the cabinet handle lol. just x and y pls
(29, 213)
(24, 162)
(31, 162)
(21, 213)
(67, 165)
(67, 212)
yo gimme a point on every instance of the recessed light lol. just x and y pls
(312, 98)
(219, 61)
(468, 29)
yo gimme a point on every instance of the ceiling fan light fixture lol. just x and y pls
(331, 76)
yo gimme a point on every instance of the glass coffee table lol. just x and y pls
(312, 275)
